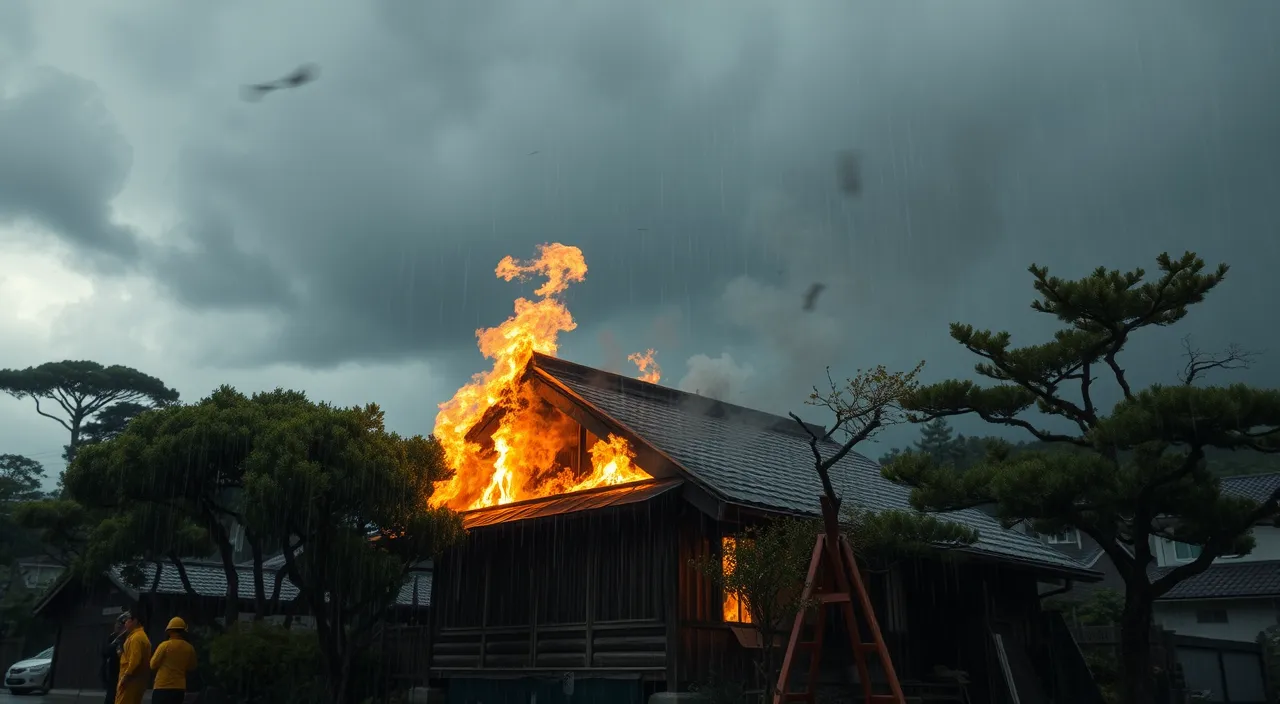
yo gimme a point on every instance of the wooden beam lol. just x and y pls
(593, 555)
(534, 591)
(484, 607)
(671, 592)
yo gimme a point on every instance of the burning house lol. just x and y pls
(586, 494)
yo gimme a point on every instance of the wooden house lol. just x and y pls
(592, 593)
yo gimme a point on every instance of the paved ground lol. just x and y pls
(51, 698)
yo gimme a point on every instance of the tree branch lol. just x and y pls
(1039, 434)
(182, 574)
(1207, 555)
(46, 415)
(1198, 362)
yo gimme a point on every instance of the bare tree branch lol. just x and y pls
(1198, 362)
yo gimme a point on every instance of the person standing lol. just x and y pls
(110, 671)
(135, 655)
(173, 659)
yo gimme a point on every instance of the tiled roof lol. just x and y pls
(206, 579)
(1227, 579)
(209, 579)
(762, 460)
(1258, 487)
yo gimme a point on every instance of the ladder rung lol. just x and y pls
(833, 598)
(885, 699)
(797, 697)
(869, 648)
(808, 645)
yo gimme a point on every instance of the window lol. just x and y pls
(1071, 536)
(1185, 552)
(1211, 616)
(734, 610)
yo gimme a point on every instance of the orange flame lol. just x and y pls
(534, 448)
(649, 370)
(733, 607)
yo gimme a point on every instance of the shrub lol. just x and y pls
(266, 663)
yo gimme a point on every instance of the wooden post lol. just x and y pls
(484, 608)
(534, 591)
(672, 596)
(593, 550)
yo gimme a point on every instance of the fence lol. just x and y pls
(1231, 672)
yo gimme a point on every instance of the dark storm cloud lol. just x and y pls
(689, 152)
(62, 161)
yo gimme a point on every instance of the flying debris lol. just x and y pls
(849, 173)
(811, 296)
(301, 76)
(535, 152)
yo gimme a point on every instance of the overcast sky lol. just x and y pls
(341, 238)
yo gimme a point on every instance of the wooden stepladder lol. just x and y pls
(834, 582)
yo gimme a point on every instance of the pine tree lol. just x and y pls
(937, 439)
(1137, 472)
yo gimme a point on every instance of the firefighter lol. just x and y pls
(173, 659)
(135, 655)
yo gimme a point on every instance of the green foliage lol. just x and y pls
(348, 497)
(19, 483)
(1134, 473)
(353, 497)
(60, 524)
(879, 536)
(20, 478)
(82, 389)
(107, 424)
(265, 663)
(1104, 607)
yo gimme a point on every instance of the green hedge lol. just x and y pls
(264, 663)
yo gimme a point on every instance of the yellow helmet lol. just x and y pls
(176, 624)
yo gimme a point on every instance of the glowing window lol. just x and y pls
(735, 611)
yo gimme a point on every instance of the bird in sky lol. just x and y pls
(811, 296)
(300, 76)
(849, 173)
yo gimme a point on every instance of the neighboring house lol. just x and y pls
(1234, 599)
(84, 613)
(1237, 597)
(599, 583)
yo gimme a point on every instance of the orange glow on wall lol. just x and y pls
(733, 607)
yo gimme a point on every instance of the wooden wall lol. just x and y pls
(583, 591)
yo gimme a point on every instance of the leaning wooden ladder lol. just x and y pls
(834, 581)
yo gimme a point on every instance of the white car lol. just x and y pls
(30, 675)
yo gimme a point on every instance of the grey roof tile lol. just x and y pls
(1258, 487)
(1260, 578)
(209, 580)
(763, 460)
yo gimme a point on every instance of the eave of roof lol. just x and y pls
(590, 500)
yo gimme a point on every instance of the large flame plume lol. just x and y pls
(533, 447)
